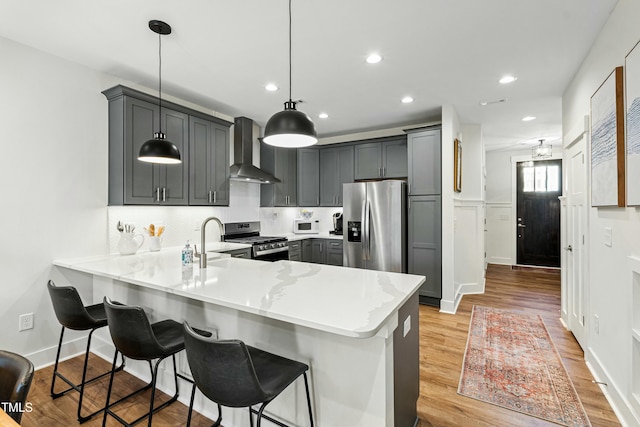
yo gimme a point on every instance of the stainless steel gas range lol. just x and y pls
(264, 248)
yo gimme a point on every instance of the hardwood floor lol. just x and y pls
(442, 345)
(443, 342)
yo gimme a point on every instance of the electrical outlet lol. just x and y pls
(25, 321)
(596, 323)
(407, 326)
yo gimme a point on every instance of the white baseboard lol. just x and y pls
(619, 403)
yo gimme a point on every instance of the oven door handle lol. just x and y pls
(271, 251)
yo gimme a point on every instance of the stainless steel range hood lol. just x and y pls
(243, 168)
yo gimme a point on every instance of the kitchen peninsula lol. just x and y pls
(357, 329)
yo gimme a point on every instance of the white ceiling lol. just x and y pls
(222, 52)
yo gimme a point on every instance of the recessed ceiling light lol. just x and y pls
(271, 87)
(323, 115)
(528, 118)
(374, 58)
(508, 79)
(494, 101)
(407, 99)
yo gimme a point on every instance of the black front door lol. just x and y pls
(538, 221)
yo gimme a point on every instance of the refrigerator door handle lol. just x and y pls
(367, 231)
(363, 230)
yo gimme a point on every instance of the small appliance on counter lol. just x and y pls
(337, 224)
(306, 226)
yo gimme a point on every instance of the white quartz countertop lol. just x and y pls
(345, 301)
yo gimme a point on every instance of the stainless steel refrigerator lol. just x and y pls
(374, 225)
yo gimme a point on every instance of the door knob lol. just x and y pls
(569, 248)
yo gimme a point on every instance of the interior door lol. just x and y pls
(538, 207)
(575, 252)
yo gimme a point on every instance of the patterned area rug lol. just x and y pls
(510, 361)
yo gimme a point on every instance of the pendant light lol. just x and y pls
(159, 149)
(542, 151)
(290, 128)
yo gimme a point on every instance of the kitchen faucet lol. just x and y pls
(203, 253)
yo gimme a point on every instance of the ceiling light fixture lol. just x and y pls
(528, 118)
(495, 101)
(542, 151)
(323, 115)
(508, 79)
(374, 58)
(407, 100)
(159, 149)
(290, 128)
(271, 87)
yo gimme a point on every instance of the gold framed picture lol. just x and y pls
(457, 165)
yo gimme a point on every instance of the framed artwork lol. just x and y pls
(607, 143)
(632, 101)
(457, 165)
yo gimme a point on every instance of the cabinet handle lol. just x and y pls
(384, 171)
(214, 197)
(409, 207)
(409, 185)
(164, 194)
(210, 201)
(157, 194)
(380, 172)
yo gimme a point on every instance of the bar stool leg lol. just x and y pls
(306, 387)
(106, 408)
(55, 367)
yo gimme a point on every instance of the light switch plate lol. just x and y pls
(407, 326)
(607, 236)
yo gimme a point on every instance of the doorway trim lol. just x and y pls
(514, 199)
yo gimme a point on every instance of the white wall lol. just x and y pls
(610, 280)
(53, 179)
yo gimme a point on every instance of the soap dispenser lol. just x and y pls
(187, 254)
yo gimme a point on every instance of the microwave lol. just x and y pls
(306, 226)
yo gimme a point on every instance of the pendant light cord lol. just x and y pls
(160, 78)
(290, 51)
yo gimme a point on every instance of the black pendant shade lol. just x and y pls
(290, 128)
(159, 149)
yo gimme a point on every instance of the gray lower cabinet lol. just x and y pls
(208, 163)
(295, 250)
(425, 245)
(381, 159)
(306, 250)
(336, 168)
(283, 164)
(334, 252)
(318, 251)
(239, 253)
(424, 162)
(308, 177)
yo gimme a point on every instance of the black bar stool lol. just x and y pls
(136, 338)
(73, 314)
(233, 374)
(16, 373)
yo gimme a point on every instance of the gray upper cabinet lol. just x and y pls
(424, 149)
(134, 117)
(131, 182)
(283, 164)
(209, 163)
(308, 176)
(381, 159)
(336, 168)
(425, 245)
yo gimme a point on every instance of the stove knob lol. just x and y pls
(260, 247)
(273, 245)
